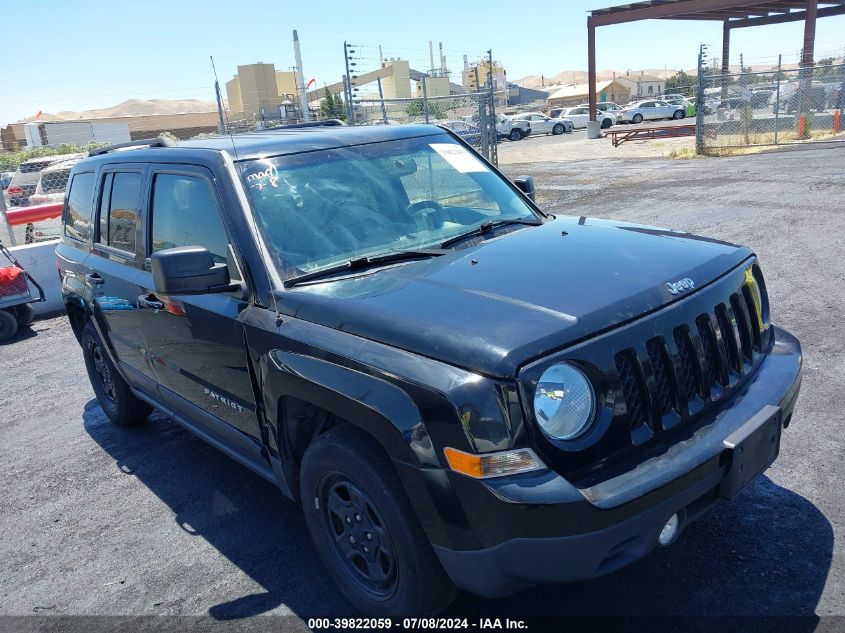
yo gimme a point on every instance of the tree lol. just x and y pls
(681, 82)
(416, 108)
(332, 106)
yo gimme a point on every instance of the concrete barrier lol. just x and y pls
(39, 260)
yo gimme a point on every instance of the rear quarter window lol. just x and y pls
(77, 213)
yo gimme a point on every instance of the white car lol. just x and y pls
(580, 115)
(640, 111)
(542, 124)
(510, 128)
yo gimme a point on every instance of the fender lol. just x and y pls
(380, 408)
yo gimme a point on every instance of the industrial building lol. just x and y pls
(260, 88)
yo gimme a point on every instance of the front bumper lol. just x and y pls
(538, 528)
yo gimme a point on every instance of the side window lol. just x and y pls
(77, 213)
(119, 210)
(184, 214)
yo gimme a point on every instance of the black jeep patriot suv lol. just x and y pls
(462, 390)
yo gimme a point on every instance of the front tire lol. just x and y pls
(606, 123)
(679, 114)
(637, 118)
(365, 530)
(515, 135)
(557, 129)
(112, 392)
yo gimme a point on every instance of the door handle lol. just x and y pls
(93, 279)
(144, 301)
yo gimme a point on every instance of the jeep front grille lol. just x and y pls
(679, 375)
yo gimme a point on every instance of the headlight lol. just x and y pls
(564, 402)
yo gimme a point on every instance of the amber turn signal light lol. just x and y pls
(492, 464)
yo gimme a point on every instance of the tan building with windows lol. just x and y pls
(576, 94)
(642, 86)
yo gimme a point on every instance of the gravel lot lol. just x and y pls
(98, 520)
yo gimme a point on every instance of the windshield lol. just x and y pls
(322, 208)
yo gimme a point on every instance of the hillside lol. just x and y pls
(568, 77)
(133, 107)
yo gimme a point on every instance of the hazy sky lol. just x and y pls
(81, 54)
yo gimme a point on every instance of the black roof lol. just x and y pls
(296, 140)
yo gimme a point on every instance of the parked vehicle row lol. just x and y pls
(39, 181)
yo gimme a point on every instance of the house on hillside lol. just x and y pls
(641, 85)
(576, 94)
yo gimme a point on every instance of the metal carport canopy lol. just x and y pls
(732, 13)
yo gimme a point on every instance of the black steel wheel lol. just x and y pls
(357, 534)
(365, 530)
(516, 134)
(8, 325)
(114, 395)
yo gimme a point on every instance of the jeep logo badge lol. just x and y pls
(680, 286)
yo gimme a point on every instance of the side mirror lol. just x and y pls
(188, 270)
(526, 185)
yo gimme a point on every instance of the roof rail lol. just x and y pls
(160, 141)
(293, 126)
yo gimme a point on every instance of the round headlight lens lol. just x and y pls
(564, 402)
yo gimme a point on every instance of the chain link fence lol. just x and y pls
(471, 116)
(771, 108)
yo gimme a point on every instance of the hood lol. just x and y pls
(507, 300)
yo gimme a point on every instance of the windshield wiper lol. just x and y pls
(361, 263)
(486, 227)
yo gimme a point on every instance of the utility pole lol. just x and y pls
(777, 102)
(491, 125)
(699, 103)
(350, 112)
(381, 97)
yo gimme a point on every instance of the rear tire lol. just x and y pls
(8, 325)
(365, 530)
(679, 114)
(112, 392)
(606, 123)
(558, 129)
(516, 134)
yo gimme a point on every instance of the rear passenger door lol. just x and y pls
(196, 343)
(114, 267)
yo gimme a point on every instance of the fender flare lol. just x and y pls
(376, 406)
